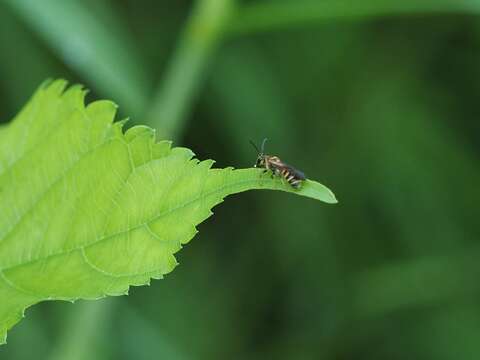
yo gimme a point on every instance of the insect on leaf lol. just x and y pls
(88, 210)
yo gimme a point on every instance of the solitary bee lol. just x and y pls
(273, 163)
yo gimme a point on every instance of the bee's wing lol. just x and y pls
(281, 165)
(297, 173)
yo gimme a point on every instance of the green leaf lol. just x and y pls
(87, 210)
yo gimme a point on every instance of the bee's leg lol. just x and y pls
(275, 172)
(267, 168)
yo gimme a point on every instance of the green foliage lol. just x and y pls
(201, 37)
(92, 41)
(270, 15)
(88, 210)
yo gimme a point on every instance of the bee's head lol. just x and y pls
(260, 163)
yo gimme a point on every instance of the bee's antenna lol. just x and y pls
(263, 145)
(255, 146)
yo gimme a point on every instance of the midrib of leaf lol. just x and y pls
(231, 188)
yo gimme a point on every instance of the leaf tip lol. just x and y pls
(333, 200)
(330, 198)
(318, 191)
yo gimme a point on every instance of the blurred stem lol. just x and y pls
(103, 52)
(14, 35)
(147, 337)
(84, 331)
(201, 37)
(271, 15)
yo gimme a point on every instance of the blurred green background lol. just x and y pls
(376, 99)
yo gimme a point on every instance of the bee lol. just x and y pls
(278, 168)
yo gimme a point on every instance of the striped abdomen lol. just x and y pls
(293, 176)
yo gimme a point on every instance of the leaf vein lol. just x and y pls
(50, 187)
(165, 213)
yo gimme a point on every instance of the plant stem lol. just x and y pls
(201, 37)
(83, 332)
(103, 54)
(274, 15)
